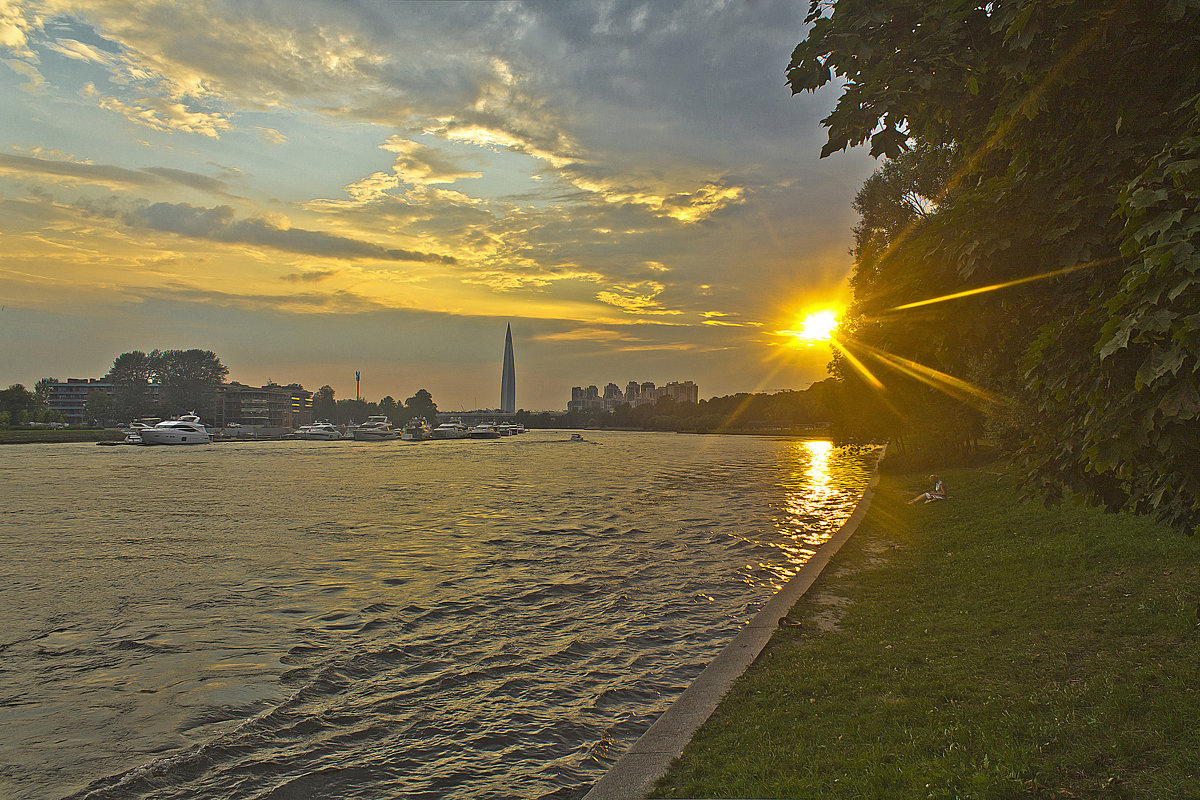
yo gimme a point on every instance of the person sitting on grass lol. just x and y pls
(937, 493)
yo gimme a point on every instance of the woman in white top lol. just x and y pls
(937, 493)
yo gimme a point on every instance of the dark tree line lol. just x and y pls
(818, 405)
(341, 412)
(186, 381)
(1027, 138)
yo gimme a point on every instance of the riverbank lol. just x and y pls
(976, 647)
(52, 436)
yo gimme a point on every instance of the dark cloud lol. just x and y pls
(311, 276)
(220, 224)
(110, 175)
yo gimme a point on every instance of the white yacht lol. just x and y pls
(484, 430)
(416, 430)
(324, 431)
(377, 428)
(185, 430)
(454, 429)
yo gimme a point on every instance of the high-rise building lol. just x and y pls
(508, 378)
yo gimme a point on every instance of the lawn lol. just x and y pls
(972, 648)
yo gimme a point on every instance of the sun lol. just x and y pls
(818, 327)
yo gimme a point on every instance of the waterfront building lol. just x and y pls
(508, 377)
(271, 407)
(635, 394)
(69, 397)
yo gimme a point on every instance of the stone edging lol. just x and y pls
(634, 774)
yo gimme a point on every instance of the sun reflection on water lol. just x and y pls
(814, 476)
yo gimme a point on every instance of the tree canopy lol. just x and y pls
(1071, 136)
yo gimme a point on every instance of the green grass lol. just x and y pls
(47, 435)
(983, 649)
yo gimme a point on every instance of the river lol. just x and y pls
(452, 619)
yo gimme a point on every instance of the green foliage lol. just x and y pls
(130, 376)
(20, 403)
(41, 390)
(187, 377)
(421, 405)
(324, 403)
(99, 407)
(1068, 154)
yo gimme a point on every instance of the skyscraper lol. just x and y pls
(508, 379)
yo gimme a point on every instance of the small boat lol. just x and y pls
(187, 429)
(505, 429)
(323, 431)
(576, 437)
(416, 430)
(485, 430)
(454, 429)
(377, 428)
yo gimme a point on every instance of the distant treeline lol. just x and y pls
(814, 407)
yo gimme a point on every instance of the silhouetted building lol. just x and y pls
(508, 378)
(635, 394)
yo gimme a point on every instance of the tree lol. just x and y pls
(99, 406)
(19, 402)
(1061, 166)
(130, 377)
(388, 407)
(421, 405)
(41, 390)
(324, 404)
(188, 378)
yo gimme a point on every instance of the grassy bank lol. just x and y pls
(974, 648)
(46, 435)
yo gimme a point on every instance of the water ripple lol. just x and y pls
(460, 619)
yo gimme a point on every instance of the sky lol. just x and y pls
(310, 189)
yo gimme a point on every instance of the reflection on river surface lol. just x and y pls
(377, 620)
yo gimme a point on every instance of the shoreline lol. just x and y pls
(979, 647)
(647, 760)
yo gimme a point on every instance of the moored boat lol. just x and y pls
(485, 430)
(454, 429)
(377, 428)
(187, 429)
(416, 430)
(322, 431)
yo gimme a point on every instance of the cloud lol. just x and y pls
(586, 335)
(107, 174)
(271, 135)
(312, 275)
(219, 224)
(417, 163)
(340, 301)
(164, 115)
(79, 51)
(636, 298)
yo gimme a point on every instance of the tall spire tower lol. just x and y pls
(508, 379)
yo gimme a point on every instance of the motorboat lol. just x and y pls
(377, 428)
(454, 429)
(187, 429)
(505, 429)
(416, 430)
(576, 437)
(323, 431)
(484, 430)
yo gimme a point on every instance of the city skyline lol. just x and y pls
(379, 187)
